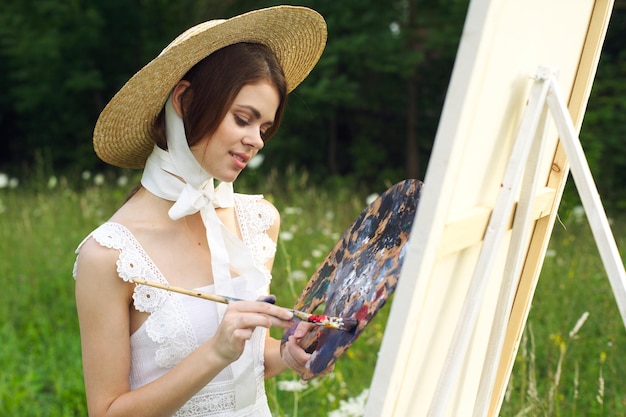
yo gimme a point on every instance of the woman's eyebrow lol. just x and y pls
(255, 112)
(252, 109)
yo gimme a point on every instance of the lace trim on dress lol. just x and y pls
(255, 218)
(167, 323)
(218, 400)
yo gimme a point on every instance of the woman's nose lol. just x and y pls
(255, 139)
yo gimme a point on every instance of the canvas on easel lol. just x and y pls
(448, 280)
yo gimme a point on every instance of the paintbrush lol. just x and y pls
(345, 324)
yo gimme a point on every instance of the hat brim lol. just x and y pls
(296, 35)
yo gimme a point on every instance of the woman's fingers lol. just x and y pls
(255, 312)
(294, 356)
(302, 329)
(241, 319)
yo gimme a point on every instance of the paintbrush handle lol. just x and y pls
(321, 320)
(194, 293)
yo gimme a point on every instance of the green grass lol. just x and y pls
(590, 378)
(42, 223)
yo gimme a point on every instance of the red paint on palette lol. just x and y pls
(318, 318)
(362, 313)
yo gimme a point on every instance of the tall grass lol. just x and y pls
(565, 366)
(571, 359)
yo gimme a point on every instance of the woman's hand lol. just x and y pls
(239, 322)
(294, 356)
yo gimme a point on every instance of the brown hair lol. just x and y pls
(216, 81)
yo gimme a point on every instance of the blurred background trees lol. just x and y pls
(368, 111)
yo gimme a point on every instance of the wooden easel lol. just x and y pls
(545, 98)
(502, 46)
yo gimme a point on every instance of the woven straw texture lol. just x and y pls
(297, 35)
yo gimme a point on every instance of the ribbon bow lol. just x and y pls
(191, 200)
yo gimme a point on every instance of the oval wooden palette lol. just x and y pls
(359, 274)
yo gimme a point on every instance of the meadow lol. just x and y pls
(570, 361)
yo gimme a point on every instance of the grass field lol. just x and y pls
(558, 372)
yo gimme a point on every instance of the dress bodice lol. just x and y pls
(177, 324)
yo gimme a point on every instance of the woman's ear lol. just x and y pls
(177, 96)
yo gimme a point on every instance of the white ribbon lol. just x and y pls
(176, 175)
(192, 200)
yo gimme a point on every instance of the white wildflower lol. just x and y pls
(98, 179)
(122, 181)
(86, 175)
(306, 263)
(550, 253)
(13, 183)
(316, 253)
(286, 235)
(291, 386)
(293, 210)
(394, 28)
(578, 213)
(4, 180)
(370, 198)
(256, 161)
(52, 182)
(298, 275)
(353, 407)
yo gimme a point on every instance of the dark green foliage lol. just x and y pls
(65, 59)
(604, 127)
(368, 111)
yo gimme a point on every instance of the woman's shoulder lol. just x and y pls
(98, 284)
(95, 255)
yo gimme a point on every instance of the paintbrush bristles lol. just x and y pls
(338, 323)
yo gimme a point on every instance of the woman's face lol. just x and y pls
(239, 136)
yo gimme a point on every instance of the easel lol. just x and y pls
(545, 97)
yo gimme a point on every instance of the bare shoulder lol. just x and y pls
(96, 271)
(92, 255)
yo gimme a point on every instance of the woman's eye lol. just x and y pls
(241, 122)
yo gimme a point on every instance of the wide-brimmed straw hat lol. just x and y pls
(123, 132)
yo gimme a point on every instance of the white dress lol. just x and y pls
(178, 323)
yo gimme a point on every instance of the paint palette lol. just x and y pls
(359, 274)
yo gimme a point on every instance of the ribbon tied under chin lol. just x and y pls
(192, 200)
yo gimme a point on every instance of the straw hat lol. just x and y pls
(296, 35)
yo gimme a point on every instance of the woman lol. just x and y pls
(198, 112)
